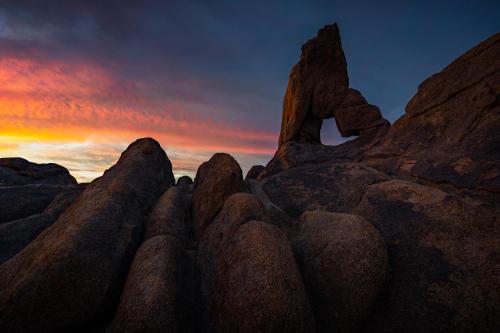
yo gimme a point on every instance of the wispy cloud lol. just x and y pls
(80, 115)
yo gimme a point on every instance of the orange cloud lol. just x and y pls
(75, 106)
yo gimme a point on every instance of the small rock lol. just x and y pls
(254, 172)
(215, 180)
(353, 120)
(184, 180)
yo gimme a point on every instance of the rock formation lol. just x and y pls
(254, 172)
(344, 263)
(429, 185)
(396, 230)
(27, 188)
(449, 133)
(215, 180)
(318, 89)
(151, 298)
(18, 171)
(15, 235)
(72, 273)
(184, 180)
(20, 201)
(247, 266)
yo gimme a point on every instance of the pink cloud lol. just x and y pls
(42, 101)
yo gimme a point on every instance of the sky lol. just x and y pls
(80, 80)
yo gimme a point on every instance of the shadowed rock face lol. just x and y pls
(262, 279)
(254, 172)
(18, 171)
(250, 281)
(215, 180)
(451, 130)
(72, 273)
(161, 292)
(334, 187)
(184, 180)
(344, 261)
(237, 210)
(171, 215)
(21, 201)
(151, 299)
(443, 250)
(15, 235)
(27, 188)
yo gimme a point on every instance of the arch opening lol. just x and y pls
(330, 134)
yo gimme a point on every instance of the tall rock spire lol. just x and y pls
(318, 88)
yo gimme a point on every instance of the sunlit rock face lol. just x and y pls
(318, 88)
(394, 231)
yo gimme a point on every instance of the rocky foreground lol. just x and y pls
(397, 230)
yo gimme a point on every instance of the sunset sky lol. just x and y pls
(80, 80)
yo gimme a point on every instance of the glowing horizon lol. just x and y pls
(51, 111)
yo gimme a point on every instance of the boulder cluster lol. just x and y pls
(397, 230)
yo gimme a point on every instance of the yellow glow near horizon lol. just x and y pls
(78, 115)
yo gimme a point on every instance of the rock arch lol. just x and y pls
(318, 89)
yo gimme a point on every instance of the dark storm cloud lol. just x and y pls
(235, 56)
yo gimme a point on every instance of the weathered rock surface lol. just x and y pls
(478, 64)
(161, 291)
(451, 130)
(272, 213)
(318, 88)
(254, 172)
(21, 201)
(18, 171)
(292, 154)
(238, 209)
(152, 299)
(184, 180)
(443, 252)
(215, 180)
(70, 276)
(344, 261)
(15, 235)
(171, 215)
(442, 237)
(334, 187)
(261, 287)
(250, 282)
(353, 120)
